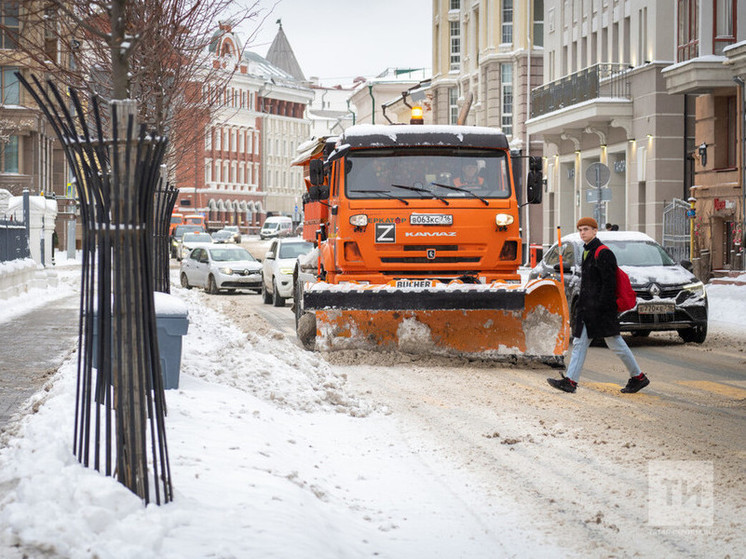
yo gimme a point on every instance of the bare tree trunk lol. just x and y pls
(120, 48)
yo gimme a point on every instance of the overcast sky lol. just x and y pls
(337, 40)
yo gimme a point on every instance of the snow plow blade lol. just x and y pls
(492, 320)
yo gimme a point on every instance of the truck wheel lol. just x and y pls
(277, 301)
(306, 330)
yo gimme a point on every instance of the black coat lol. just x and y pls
(597, 299)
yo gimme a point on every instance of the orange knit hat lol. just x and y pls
(588, 221)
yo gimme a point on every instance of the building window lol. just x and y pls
(9, 25)
(208, 171)
(725, 29)
(726, 140)
(11, 88)
(506, 94)
(10, 155)
(455, 45)
(507, 27)
(208, 139)
(538, 23)
(453, 105)
(455, 4)
(687, 43)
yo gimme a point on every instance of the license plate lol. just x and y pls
(655, 308)
(414, 283)
(431, 219)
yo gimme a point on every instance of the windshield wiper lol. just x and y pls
(383, 193)
(448, 186)
(425, 190)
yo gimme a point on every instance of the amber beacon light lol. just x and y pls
(417, 116)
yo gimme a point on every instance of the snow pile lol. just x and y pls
(276, 370)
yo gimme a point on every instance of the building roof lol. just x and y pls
(281, 54)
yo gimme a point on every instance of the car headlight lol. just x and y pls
(503, 220)
(286, 271)
(697, 289)
(226, 271)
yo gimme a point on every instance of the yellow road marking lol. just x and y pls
(612, 388)
(715, 388)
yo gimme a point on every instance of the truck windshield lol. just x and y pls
(430, 173)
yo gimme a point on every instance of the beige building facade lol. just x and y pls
(488, 55)
(710, 72)
(605, 101)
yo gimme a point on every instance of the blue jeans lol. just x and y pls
(615, 343)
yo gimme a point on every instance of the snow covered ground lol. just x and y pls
(271, 456)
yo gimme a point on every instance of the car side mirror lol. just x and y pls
(269, 256)
(566, 267)
(687, 265)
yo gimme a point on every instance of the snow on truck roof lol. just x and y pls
(378, 135)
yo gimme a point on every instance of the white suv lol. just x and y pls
(277, 269)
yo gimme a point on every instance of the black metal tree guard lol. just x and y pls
(163, 205)
(120, 400)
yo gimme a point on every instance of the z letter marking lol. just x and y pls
(385, 233)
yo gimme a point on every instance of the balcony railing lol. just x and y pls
(601, 80)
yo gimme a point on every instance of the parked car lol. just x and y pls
(219, 267)
(191, 241)
(222, 236)
(178, 233)
(276, 226)
(277, 269)
(669, 296)
(235, 231)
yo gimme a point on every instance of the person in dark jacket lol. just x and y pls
(596, 315)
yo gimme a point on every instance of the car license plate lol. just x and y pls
(655, 308)
(431, 219)
(414, 283)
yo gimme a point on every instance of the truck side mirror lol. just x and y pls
(316, 193)
(316, 172)
(534, 182)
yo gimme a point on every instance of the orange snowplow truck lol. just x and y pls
(418, 246)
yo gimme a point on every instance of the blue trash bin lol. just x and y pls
(172, 323)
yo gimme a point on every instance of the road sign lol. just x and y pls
(597, 174)
(596, 195)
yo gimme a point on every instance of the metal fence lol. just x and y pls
(676, 230)
(13, 241)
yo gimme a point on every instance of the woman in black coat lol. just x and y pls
(597, 313)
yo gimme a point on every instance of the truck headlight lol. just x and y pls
(503, 220)
(359, 220)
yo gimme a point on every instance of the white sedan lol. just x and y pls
(191, 241)
(277, 269)
(219, 267)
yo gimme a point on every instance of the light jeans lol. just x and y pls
(615, 343)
